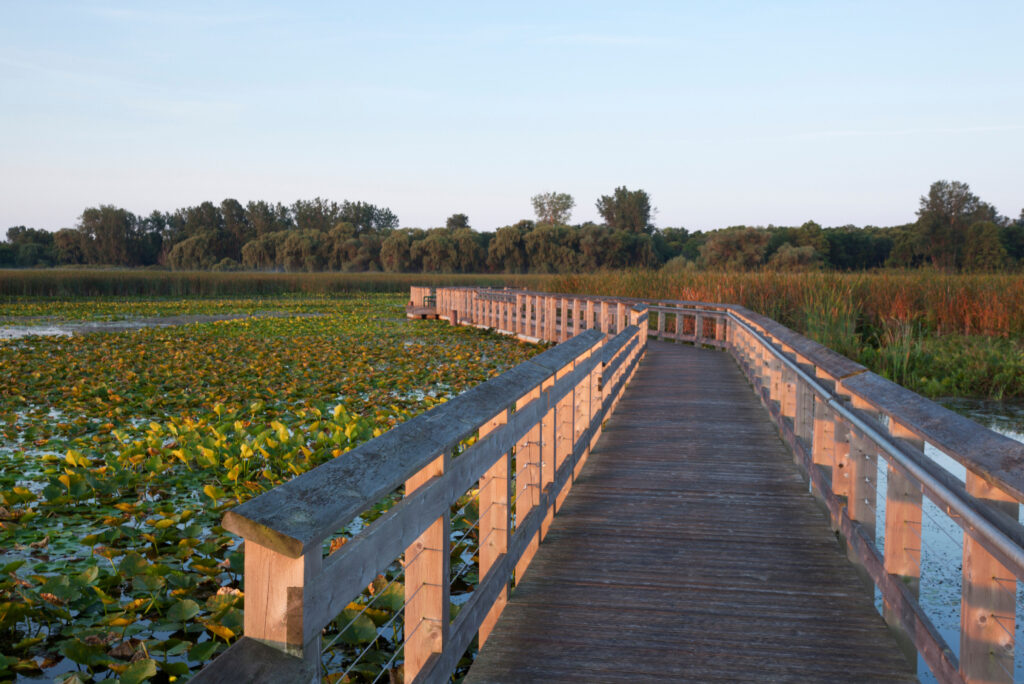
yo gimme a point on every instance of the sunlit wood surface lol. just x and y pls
(690, 550)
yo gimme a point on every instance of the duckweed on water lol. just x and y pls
(120, 453)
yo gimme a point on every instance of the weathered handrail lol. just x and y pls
(838, 417)
(545, 413)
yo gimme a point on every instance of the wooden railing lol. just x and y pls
(839, 418)
(515, 443)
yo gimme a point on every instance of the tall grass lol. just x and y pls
(143, 283)
(989, 304)
(937, 334)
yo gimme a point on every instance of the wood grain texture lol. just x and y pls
(990, 455)
(689, 554)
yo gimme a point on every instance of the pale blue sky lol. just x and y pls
(724, 112)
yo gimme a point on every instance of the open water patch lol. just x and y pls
(68, 328)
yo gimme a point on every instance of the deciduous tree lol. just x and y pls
(628, 210)
(553, 207)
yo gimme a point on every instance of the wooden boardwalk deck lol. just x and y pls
(690, 550)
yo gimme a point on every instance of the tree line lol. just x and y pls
(955, 230)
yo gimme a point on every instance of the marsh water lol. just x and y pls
(12, 328)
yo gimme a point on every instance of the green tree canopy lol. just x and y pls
(945, 214)
(627, 210)
(738, 248)
(553, 207)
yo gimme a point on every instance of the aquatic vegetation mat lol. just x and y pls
(120, 453)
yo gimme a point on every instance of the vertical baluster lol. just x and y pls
(620, 318)
(548, 442)
(903, 535)
(590, 315)
(804, 426)
(495, 530)
(988, 600)
(863, 475)
(528, 459)
(605, 318)
(698, 330)
(823, 446)
(565, 415)
(563, 332)
(426, 583)
(774, 369)
(661, 325)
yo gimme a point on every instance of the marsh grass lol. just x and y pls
(69, 282)
(937, 334)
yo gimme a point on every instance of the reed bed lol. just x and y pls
(990, 305)
(941, 335)
(146, 283)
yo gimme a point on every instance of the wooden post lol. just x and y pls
(495, 532)
(841, 461)
(274, 586)
(550, 319)
(661, 325)
(517, 316)
(548, 442)
(698, 330)
(528, 458)
(606, 325)
(862, 498)
(564, 430)
(584, 411)
(563, 334)
(804, 423)
(823, 447)
(903, 536)
(787, 386)
(620, 319)
(774, 367)
(528, 305)
(426, 583)
(590, 315)
(988, 600)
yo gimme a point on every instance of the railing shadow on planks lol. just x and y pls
(837, 417)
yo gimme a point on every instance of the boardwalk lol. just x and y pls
(690, 550)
